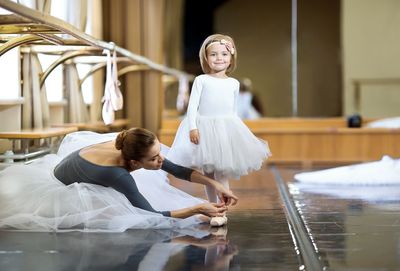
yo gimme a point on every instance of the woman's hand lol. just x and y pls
(194, 136)
(225, 195)
(212, 209)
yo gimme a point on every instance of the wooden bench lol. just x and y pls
(98, 126)
(32, 143)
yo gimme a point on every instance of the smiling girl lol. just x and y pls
(212, 137)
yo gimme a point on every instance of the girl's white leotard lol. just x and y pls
(227, 147)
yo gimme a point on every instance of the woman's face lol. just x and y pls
(153, 160)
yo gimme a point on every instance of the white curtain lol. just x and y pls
(41, 5)
(75, 13)
(35, 110)
(77, 111)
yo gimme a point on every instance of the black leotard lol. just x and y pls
(74, 168)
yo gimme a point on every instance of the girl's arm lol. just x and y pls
(236, 100)
(194, 101)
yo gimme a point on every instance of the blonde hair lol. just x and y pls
(203, 52)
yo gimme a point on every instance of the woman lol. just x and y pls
(87, 168)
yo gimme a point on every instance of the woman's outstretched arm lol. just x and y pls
(207, 208)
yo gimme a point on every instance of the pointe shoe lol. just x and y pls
(116, 98)
(218, 221)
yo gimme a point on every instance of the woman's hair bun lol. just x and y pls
(119, 141)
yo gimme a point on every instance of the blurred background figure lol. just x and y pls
(248, 106)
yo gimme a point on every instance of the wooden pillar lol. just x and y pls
(133, 81)
(137, 25)
(152, 40)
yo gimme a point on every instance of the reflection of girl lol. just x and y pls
(86, 202)
(212, 137)
(246, 99)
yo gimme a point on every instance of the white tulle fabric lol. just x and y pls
(227, 147)
(383, 172)
(32, 199)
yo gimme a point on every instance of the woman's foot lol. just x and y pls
(218, 221)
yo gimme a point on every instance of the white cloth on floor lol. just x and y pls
(226, 147)
(376, 194)
(32, 199)
(393, 123)
(386, 171)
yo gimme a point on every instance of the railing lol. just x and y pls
(43, 27)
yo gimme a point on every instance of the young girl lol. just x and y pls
(212, 137)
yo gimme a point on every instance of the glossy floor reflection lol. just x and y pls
(353, 228)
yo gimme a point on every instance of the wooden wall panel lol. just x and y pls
(290, 142)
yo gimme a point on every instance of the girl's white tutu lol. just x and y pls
(227, 147)
(32, 199)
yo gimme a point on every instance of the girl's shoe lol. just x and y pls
(218, 221)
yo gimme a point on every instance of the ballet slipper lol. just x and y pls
(115, 93)
(221, 231)
(218, 221)
(116, 97)
(107, 113)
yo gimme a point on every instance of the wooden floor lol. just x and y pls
(255, 190)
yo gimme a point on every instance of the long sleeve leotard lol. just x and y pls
(74, 168)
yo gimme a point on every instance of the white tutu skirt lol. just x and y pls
(32, 199)
(226, 148)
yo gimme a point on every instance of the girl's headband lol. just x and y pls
(228, 45)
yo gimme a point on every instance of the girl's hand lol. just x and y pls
(212, 209)
(194, 136)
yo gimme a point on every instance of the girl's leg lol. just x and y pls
(210, 191)
(222, 180)
(219, 221)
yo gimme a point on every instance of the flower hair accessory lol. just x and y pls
(228, 46)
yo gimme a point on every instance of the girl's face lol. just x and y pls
(218, 58)
(153, 160)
